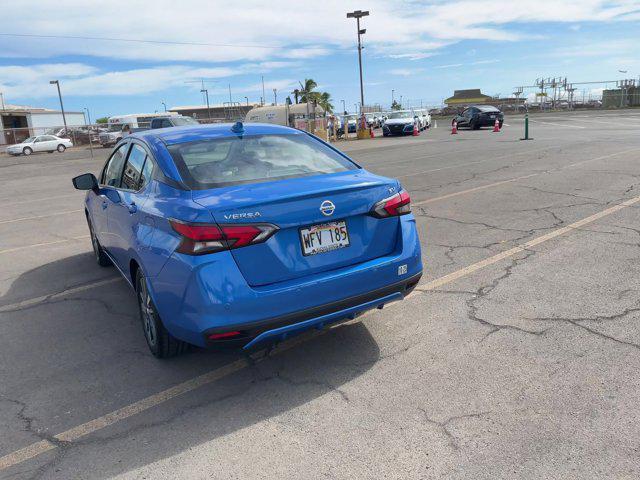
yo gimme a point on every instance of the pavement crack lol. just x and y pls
(444, 425)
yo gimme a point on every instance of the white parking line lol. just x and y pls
(557, 124)
(81, 431)
(54, 296)
(43, 244)
(37, 217)
(41, 200)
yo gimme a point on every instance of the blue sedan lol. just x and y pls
(244, 235)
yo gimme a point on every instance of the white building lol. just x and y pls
(18, 122)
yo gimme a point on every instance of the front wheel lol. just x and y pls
(61, 148)
(27, 151)
(160, 342)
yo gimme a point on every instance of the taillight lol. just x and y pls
(201, 238)
(398, 204)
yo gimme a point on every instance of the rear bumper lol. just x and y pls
(279, 328)
(196, 296)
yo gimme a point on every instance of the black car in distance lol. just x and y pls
(478, 116)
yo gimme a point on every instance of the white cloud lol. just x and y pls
(84, 80)
(242, 30)
(405, 72)
(451, 65)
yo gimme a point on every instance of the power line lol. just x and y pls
(156, 42)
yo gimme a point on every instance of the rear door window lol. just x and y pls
(132, 175)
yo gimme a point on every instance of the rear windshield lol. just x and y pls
(235, 160)
(488, 109)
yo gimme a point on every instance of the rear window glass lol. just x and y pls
(235, 160)
(488, 109)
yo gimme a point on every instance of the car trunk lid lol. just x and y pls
(295, 205)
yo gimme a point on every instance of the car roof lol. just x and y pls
(191, 133)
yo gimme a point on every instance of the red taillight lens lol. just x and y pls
(398, 204)
(223, 335)
(201, 238)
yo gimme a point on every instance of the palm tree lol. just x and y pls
(296, 94)
(306, 89)
(324, 100)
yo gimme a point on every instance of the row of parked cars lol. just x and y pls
(396, 122)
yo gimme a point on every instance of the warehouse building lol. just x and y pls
(18, 122)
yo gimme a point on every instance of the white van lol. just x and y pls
(288, 115)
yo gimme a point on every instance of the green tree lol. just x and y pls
(325, 102)
(307, 88)
(296, 94)
(396, 106)
(102, 120)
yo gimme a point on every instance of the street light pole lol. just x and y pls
(358, 14)
(164, 105)
(393, 98)
(344, 108)
(2, 100)
(88, 115)
(206, 94)
(275, 96)
(247, 99)
(64, 118)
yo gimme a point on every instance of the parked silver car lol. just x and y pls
(40, 143)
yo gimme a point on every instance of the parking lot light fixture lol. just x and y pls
(164, 105)
(206, 93)
(64, 118)
(88, 115)
(358, 14)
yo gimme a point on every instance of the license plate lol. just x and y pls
(324, 237)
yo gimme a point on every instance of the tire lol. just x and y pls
(101, 257)
(61, 148)
(27, 151)
(474, 126)
(160, 342)
(500, 124)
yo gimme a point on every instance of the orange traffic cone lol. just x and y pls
(454, 128)
(496, 126)
(371, 132)
(415, 130)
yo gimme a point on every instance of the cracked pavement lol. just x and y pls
(527, 368)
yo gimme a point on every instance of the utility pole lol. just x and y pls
(275, 96)
(230, 101)
(264, 97)
(392, 96)
(344, 108)
(358, 14)
(64, 118)
(206, 93)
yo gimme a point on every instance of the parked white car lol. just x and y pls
(40, 143)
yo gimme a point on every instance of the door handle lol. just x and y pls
(133, 208)
(104, 205)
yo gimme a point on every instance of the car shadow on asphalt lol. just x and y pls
(78, 357)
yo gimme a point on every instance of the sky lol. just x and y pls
(418, 50)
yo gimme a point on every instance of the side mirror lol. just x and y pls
(86, 181)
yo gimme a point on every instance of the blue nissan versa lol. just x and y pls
(244, 235)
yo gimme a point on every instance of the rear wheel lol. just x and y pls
(160, 342)
(474, 126)
(61, 148)
(27, 151)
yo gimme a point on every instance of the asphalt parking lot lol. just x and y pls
(518, 355)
